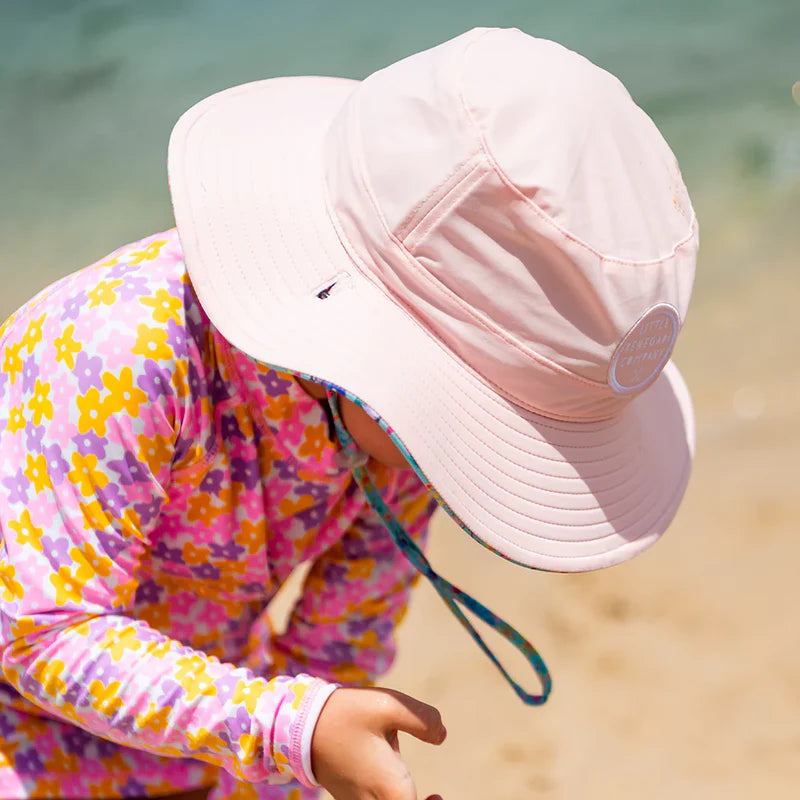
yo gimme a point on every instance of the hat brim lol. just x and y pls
(246, 177)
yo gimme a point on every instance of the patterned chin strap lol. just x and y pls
(452, 595)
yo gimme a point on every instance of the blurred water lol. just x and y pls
(89, 91)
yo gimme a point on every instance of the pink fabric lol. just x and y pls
(159, 488)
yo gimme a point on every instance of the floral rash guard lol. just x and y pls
(157, 486)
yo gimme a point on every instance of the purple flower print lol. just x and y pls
(218, 389)
(197, 383)
(230, 550)
(226, 686)
(274, 385)
(134, 286)
(206, 571)
(176, 337)
(171, 693)
(105, 749)
(230, 427)
(73, 306)
(354, 547)
(30, 372)
(112, 498)
(76, 741)
(287, 469)
(130, 470)
(110, 543)
(334, 573)
(33, 438)
(90, 443)
(382, 627)
(155, 381)
(212, 483)
(126, 724)
(57, 551)
(319, 491)
(245, 471)
(102, 669)
(27, 761)
(239, 725)
(76, 693)
(17, 486)
(312, 516)
(3, 382)
(132, 788)
(174, 554)
(339, 652)
(148, 511)
(148, 592)
(88, 368)
(57, 467)
(121, 269)
(6, 728)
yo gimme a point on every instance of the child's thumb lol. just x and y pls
(407, 714)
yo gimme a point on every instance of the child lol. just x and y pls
(456, 282)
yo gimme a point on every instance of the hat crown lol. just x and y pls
(513, 198)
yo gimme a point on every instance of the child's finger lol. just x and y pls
(412, 716)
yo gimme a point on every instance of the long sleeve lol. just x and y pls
(356, 594)
(92, 399)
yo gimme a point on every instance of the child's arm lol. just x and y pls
(356, 594)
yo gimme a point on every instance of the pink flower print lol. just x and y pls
(183, 602)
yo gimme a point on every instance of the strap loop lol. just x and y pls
(452, 595)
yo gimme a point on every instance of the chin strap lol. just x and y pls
(452, 595)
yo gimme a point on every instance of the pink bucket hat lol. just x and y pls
(490, 245)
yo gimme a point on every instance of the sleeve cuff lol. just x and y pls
(294, 726)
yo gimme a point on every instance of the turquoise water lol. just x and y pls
(89, 91)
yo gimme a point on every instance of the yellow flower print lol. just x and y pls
(314, 442)
(155, 720)
(12, 589)
(105, 698)
(360, 568)
(12, 365)
(116, 642)
(25, 626)
(94, 413)
(194, 556)
(89, 562)
(205, 739)
(63, 763)
(48, 674)
(122, 394)
(164, 306)
(150, 252)
(124, 593)
(103, 293)
(152, 342)
(248, 692)
(68, 586)
(40, 404)
(7, 324)
(94, 516)
(66, 347)
(252, 535)
(27, 532)
(16, 419)
(157, 451)
(201, 510)
(156, 616)
(289, 507)
(248, 747)
(194, 679)
(36, 473)
(33, 335)
(85, 475)
(298, 690)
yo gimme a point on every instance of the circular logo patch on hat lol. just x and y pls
(644, 351)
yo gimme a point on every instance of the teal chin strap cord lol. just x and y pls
(452, 595)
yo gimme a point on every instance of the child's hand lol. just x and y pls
(355, 753)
